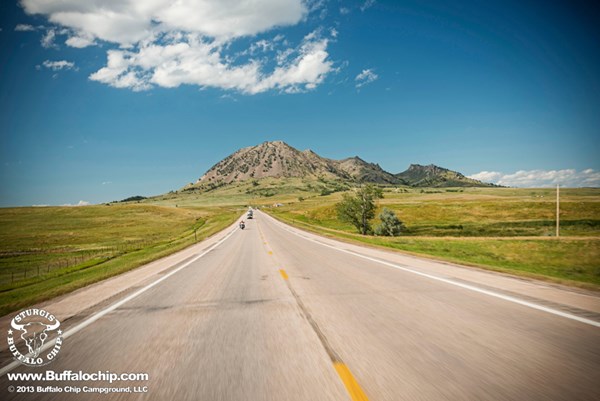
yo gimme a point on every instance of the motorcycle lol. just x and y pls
(242, 225)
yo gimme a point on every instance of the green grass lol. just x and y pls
(45, 252)
(504, 229)
(65, 248)
(571, 261)
(266, 191)
(473, 212)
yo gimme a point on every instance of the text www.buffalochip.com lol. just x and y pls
(68, 375)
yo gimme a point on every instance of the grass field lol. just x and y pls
(474, 212)
(45, 252)
(260, 192)
(509, 230)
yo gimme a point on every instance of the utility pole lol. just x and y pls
(557, 210)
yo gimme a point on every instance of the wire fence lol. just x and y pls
(71, 260)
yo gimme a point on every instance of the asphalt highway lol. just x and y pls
(271, 313)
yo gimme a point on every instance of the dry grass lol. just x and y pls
(496, 228)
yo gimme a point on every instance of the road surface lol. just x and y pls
(271, 313)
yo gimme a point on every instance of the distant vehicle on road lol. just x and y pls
(250, 214)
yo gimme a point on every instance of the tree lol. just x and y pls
(390, 225)
(359, 208)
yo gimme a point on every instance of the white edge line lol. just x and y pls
(114, 306)
(455, 283)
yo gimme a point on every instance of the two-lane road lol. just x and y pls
(272, 315)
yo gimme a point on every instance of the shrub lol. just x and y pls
(390, 225)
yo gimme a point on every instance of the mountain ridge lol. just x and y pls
(279, 160)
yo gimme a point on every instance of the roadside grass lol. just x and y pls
(570, 261)
(503, 229)
(474, 212)
(65, 248)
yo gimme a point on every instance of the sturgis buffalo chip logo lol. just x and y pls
(36, 329)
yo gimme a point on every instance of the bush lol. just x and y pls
(390, 225)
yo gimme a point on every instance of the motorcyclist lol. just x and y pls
(242, 224)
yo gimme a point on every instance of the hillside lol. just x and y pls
(280, 160)
(434, 176)
(363, 171)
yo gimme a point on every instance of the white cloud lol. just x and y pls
(542, 178)
(487, 176)
(168, 44)
(367, 4)
(80, 41)
(194, 61)
(81, 203)
(59, 65)
(261, 46)
(283, 56)
(48, 39)
(24, 28)
(129, 22)
(106, 182)
(365, 77)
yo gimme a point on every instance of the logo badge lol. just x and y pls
(34, 327)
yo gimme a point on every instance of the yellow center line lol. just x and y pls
(352, 386)
(354, 390)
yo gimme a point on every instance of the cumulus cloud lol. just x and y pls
(168, 44)
(487, 176)
(195, 61)
(59, 65)
(365, 77)
(542, 178)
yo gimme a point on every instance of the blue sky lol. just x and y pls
(98, 106)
